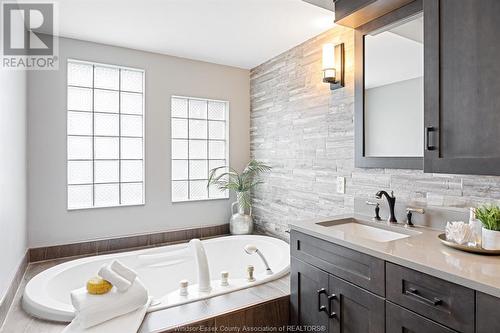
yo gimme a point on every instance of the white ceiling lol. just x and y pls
(241, 33)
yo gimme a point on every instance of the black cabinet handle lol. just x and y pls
(321, 308)
(331, 314)
(428, 144)
(414, 293)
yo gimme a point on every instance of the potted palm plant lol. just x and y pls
(241, 183)
(490, 218)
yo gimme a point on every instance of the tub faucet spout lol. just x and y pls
(201, 265)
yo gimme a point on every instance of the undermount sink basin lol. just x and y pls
(360, 229)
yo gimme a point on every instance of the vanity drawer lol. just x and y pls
(444, 302)
(358, 268)
(399, 320)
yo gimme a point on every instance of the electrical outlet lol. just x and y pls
(341, 185)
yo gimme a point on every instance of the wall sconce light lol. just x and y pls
(333, 65)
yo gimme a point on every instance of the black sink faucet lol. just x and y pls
(391, 200)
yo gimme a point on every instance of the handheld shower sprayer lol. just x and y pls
(251, 249)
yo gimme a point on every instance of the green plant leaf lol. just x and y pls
(489, 215)
(241, 183)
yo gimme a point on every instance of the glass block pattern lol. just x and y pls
(199, 143)
(80, 172)
(131, 125)
(106, 101)
(198, 129)
(198, 169)
(106, 195)
(106, 171)
(131, 103)
(132, 171)
(106, 77)
(80, 74)
(197, 109)
(79, 123)
(80, 196)
(132, 193)
(105, 135)
(216, 110)
(79, 99)
(106, 124)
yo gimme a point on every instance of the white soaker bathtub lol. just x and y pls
(47, 295)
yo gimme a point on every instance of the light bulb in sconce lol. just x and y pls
(333, 65)
(329, 63)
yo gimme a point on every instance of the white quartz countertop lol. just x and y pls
(422, 252)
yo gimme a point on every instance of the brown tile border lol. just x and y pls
(6, 302)
(268, 316)
(125, 243)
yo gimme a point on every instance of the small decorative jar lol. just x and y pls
(240, 223)
(490, 239)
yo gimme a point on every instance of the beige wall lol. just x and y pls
(13, 197)
(49, 221)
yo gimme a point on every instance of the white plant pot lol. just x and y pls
(490, 239)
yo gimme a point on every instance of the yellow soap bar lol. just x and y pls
(98, 286)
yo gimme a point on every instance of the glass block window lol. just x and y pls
(199, 144)
(105, 135)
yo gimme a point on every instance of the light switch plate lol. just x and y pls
(341, 185)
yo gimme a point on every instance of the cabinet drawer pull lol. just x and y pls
(331, 314)
(321, 308)
(414, 292)
(428, 144)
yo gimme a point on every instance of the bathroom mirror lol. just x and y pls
(389, 90)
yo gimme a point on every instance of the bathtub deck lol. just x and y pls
(18, 321)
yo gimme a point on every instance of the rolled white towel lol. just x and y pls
(123, 270)
(121, 283)
(95, 309)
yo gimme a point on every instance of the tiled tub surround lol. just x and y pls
(244, 305)
(305, 132)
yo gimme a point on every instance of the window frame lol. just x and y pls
(93, 136)
(226, 141)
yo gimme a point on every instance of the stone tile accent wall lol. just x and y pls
(306, 133)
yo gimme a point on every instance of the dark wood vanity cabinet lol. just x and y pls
(355, 267)
(462, 86)
(442, 301)
(329, 304)
(309, 294)
(399, 320)
(487, 317)
(320, 297)
(409, 301)
(461, 90)
(356, 310)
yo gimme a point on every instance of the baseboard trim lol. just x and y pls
(8, 298)
(125, 243)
